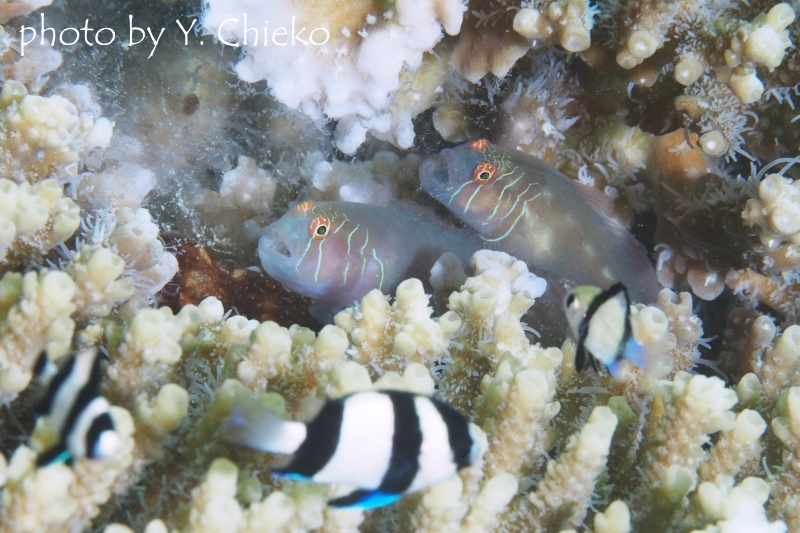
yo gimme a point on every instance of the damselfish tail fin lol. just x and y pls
(256, 427)
(633, 352)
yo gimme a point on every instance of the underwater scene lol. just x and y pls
(399, 266)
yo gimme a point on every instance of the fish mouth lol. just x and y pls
(274, 250)
(435, 171)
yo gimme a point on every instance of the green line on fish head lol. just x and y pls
(482, 185)
(306, 249)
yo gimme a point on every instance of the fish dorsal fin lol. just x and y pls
(598, 200)
(630, 250)
(365, 499)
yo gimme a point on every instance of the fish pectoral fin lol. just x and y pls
(365, 499)
(56, 454)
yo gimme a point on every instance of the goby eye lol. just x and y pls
(319, 227)
(483, 171)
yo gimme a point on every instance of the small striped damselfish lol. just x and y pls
(600, 321)
(74, 409)
(386, 443)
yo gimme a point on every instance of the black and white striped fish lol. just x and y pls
(387, 443)
(75, 410)
(601, 323)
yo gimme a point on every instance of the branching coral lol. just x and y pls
(34, 219)
(661, 448)
(527, 399)
(45, 137)
(352, 68)
(384, 178)
(487, 43)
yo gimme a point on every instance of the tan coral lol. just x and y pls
(562, 497)
(18, 8)
(695, 407)
(397, 334)
(143, 354)
(776, 214)
(44, 137)
(58, 498)
(786, 491)
(35, 310)
(33, 220)
(737, 449)
(726, 505)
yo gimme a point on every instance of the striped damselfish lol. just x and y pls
(386, 443)
(336, 252)
(601, 323)
(74, 409)
(526, 208)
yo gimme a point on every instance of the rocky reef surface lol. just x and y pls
(133, 191)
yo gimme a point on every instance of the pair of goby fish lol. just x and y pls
(336, 252)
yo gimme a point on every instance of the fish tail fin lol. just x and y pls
(56, 454)
(634, 352)
(364, 499)
(259, 428)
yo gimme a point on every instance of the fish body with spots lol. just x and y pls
(336, 252)
(525, 207)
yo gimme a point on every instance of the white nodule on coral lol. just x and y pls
(776, 211)
(688, 69)
(736, 507)
(506, 275)
(713, 143)
(121, 185)
(163, 413)
(248, 186)
(328, 70)
(615, 519)
(378, 181)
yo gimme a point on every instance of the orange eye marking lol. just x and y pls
(319, 227)
(479, 145)
(304, 207)
(483, 171)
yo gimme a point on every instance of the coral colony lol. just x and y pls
(477, 216)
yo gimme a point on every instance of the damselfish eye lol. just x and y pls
(483, 172)
(570, 300)
(319, 228)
